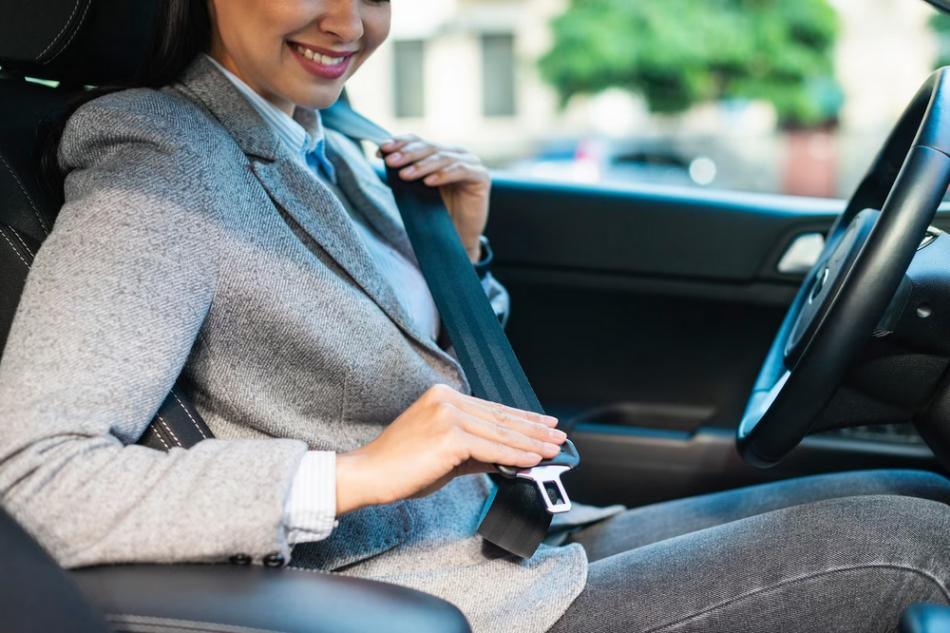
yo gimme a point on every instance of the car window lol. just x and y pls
(790, 97)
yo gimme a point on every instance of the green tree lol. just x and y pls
(680, 52)
(940, 23)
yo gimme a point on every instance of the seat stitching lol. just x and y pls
(185, 409)
(78, 28)
(29, 199)
(75, 32)
(170, 432)
(13, 248)
(61, 31)
(790, 581)
(161, 439)
(17, 235)
(190, 625)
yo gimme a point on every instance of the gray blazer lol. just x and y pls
(192, 242)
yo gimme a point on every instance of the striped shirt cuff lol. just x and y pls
(310, 510)
(498, 298)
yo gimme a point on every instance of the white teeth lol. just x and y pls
(317, 57)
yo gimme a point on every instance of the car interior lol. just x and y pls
(644, 319)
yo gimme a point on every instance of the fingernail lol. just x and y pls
(394, 157)
(551, 447)
(388, 142)
(409, 170)
(550, 419)
(558, 433)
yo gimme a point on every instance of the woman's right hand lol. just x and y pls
(440, 436)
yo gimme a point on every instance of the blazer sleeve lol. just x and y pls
(113, 303)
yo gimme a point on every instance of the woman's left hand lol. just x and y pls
(463, 181)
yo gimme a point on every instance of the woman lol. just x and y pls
(212, 227)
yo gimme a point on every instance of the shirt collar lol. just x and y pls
(300, 133)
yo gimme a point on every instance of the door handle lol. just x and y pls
(801, 254)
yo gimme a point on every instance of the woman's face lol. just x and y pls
(297, 52)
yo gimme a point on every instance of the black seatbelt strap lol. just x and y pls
(517, 516)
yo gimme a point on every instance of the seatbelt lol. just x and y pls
(517, 515)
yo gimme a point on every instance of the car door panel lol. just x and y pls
(641, 317)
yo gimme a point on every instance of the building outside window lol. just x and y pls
(498, 74)
(408, 73)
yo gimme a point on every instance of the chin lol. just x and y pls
(320, 99)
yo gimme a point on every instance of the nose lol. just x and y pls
(343, 19)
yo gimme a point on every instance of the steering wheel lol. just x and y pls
(844, 296)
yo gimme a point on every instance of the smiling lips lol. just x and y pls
(321, 62)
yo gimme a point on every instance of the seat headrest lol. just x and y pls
(80, 42)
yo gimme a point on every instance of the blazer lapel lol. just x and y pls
(303, 197)
(324, 219)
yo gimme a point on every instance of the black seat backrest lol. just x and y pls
(77, 43)
(27, 209)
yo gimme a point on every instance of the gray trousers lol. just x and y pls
(827, 553)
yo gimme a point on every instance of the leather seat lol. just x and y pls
(100, 42)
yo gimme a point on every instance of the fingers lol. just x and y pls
(493, 452)
(412, 153)
(540, 418)
(400, 145)
(411, 149)
(425, 166)
(514, 436)
(457, 172)
(525, 432)
(466, 437)
(443, 168)
(397, 142)
(437, 165)
(441, 392)
(504, 421)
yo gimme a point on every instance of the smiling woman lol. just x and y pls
(214, 230)
(225, 163)
(278, 47)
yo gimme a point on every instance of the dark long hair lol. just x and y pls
(182, 31)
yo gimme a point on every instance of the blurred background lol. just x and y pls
(776, 96)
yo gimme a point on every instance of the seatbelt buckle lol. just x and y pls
(547, 477)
